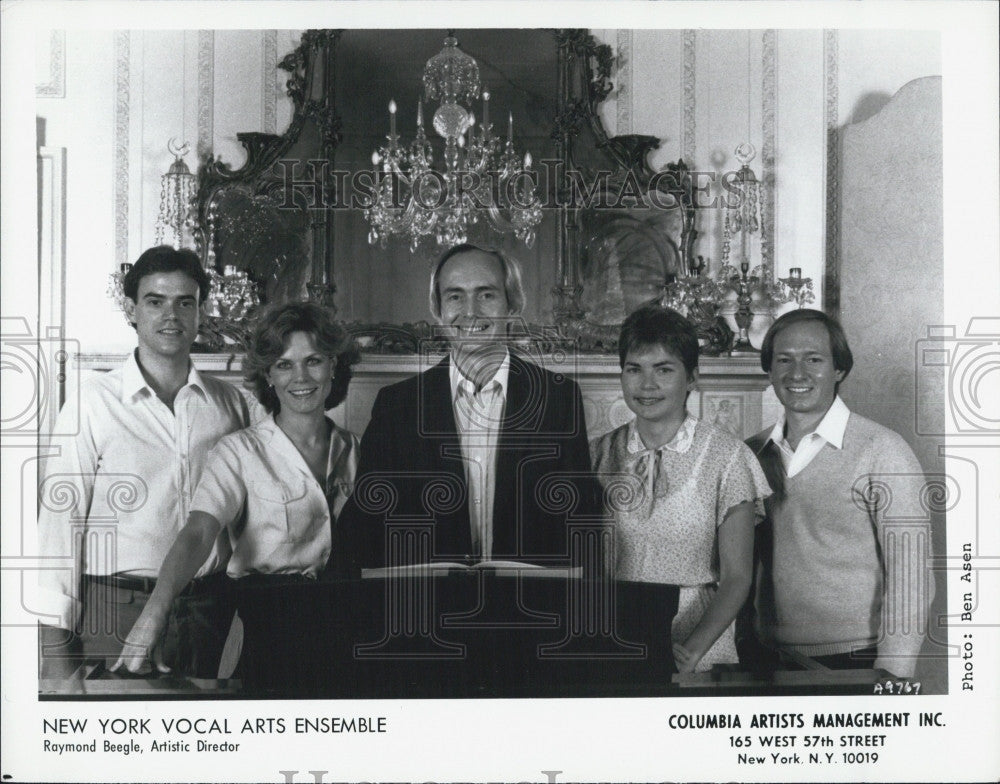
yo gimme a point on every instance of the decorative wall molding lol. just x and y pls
(831, 284)
(624, 124)
(730, 412)
(688, 91)
(769, 101)
(54, 85)
(122, 47)
(51, 281)
(206, 93)
(269, 82)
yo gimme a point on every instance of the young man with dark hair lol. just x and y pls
(843, 575)
(129, 474)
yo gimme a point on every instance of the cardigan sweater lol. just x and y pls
(846, 548)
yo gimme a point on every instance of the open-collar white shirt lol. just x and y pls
(830, 430)
(118, 491)
(479, 418)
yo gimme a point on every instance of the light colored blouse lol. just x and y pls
(258, 485)
(677, 497)
(667, 508)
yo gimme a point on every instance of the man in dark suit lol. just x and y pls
(486, 449)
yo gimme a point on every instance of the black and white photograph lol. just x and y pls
(487, 391)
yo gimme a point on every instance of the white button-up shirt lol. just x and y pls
(286, 524)
(830, 430)
(118, 492)
(479, 418)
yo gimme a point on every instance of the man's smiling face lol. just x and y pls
(165, 313)
(474, 304)
(803, 372)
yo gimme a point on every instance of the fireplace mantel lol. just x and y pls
(732, 391)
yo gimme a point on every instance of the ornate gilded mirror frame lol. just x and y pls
(276, 225)
(625, 193)
(311, 137)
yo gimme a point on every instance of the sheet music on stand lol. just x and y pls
(497, 568)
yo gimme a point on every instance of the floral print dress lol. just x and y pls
(667, 504)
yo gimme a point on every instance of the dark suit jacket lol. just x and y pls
(411, 470)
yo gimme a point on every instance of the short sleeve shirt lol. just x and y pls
(668, 534)
(258, 484)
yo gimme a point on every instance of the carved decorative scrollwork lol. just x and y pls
(263, 177)
(571, 119)
(598, 59)
(631, 153)
(329, 123)
(313, 44)
(295, 63)
(582, 144)
(607, 265)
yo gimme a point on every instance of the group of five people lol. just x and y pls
(290, 498)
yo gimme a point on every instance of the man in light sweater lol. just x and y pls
(843, 576)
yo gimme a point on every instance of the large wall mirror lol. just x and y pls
(520, 69)
(292, 216)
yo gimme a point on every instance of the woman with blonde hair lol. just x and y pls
(276, 487)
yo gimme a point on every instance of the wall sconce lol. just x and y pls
(742, 217)
(800, 289)
(176, 222)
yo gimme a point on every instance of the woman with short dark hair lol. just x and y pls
(277, 486)
(698, 490)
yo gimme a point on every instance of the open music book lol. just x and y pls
(497, 568)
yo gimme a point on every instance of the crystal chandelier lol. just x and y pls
(482, 177)
(177, 193)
